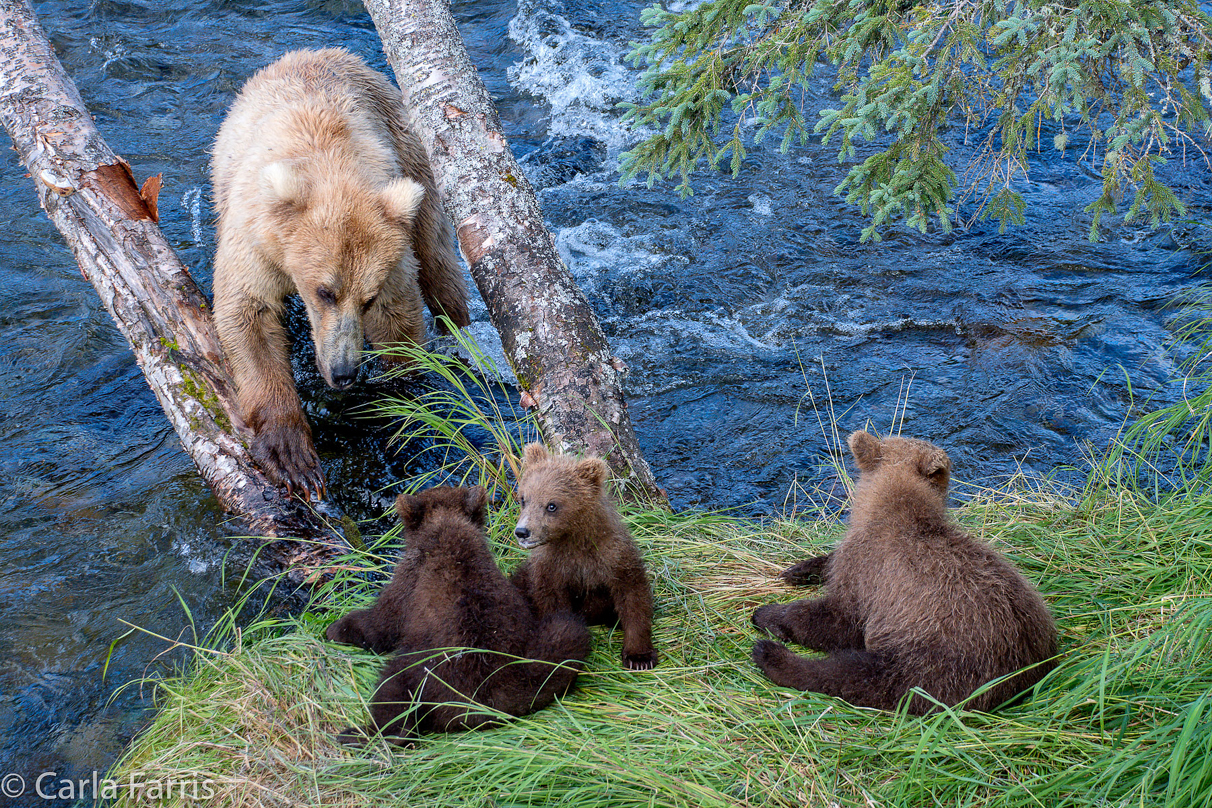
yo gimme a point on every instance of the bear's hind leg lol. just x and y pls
(810, 572)
(394, 708)
(817, 624)
(559, 638)
(863, 678)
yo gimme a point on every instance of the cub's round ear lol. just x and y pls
(284, 182)
(475, 503)
(534, 453)
(594, 471)
(411, 510)
(866, 450)
(401, 198)
(935, 466)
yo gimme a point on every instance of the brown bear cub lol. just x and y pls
(912, 600)
(581, 556)
(470, 650)
(321, 189)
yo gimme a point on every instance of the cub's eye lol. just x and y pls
(521, 501)
(326, 294)
(366, 306)
(552, 507)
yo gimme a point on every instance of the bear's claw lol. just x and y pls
(287, 457)
(644, 661)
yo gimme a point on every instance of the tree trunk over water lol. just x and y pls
(90, 195)
(551, 336)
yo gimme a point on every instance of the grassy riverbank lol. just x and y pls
(1125, 720)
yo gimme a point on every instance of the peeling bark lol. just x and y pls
(91, 196)
(551, 336)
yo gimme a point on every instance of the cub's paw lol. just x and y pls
(643, 661)
(346, 631)
(776, 661)
(810, 572)
(352, 736)
(767, 619)
(356, 736)
(288, 458)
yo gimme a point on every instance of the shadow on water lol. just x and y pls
(730, 307)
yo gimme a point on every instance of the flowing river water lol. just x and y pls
(750, 315)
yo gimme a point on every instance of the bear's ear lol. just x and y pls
(401, 198)
(534, 453)
(411, 510)
(866, 450)
(285, 183)
(594, 471)
(935, 466)
(475, 503)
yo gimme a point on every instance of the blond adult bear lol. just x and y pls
(321, 189)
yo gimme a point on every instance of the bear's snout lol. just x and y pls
(343, 376)
(339, 354)
(526, 538)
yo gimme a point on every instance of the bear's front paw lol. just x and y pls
(345, 631)
(355, 736)
(642, 661)
(810, 572)
(775, 660)
(767, 619)
(352, 736)
(285, 453)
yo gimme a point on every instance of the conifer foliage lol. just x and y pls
(1124, 84)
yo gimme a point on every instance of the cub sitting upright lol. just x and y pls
(582, 557)
(912, 600)
(469, 646)
(321, 189)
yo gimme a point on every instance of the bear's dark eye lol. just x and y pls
(366, 306)
(326, 294)
(551, 507)
(521, 501)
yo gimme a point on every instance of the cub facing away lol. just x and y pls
(469, 647)
(581, 556)
(321, 189)
(911, 599)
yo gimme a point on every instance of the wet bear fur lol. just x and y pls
(581, 556)
(321, 189)
(911, 599)
(469, 650)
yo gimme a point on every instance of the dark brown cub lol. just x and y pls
(470, 650)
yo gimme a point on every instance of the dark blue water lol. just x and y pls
(736, 310)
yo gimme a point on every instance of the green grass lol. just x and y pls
(1125, 719)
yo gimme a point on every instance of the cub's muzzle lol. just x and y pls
(525, 538)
